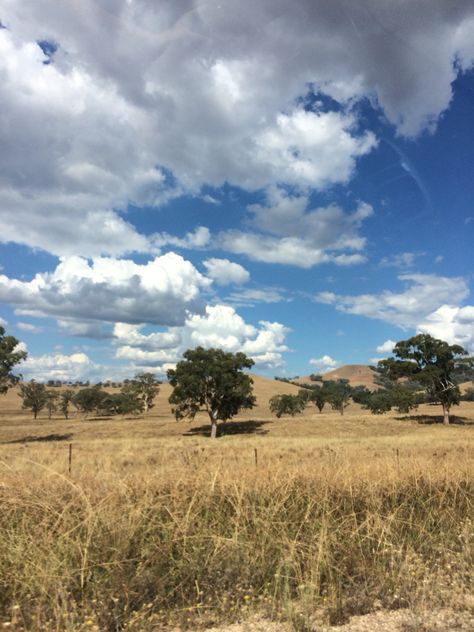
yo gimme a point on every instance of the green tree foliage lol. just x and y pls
(65, 399)
(361, 395)
(305, 395)
(397, 396)
(213, 381)
(51, 402)
(123, 403)
(319, 397)
(10, 356)
(432, 364)
(144, 387)
(34, 396)
(90, 400)
(379, 402)
(286, 405)
(338, 394)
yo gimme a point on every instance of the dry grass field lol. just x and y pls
(308, 520)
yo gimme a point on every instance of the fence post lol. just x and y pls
(70, 458)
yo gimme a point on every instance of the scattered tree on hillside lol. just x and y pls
(398, 396)
(66, 398)
(432, 364)
(144, 387)
(319, 397)
(338, 394)
(361, 395)
(213, 381)
(51, 402)
(379, 402)
(34, 396)
(10, 355)
(286, 405)
(89, 400)
(305, 395)
(123, 403)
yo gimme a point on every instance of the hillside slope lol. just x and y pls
(263, 389)
(357, 374)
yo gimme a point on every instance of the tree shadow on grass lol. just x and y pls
(230, 428)
(428, 420)
(44, 438)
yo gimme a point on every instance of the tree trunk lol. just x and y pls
(213, 429)
(445, 415)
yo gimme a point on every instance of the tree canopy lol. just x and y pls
(144, 388)
(432, 364)
(337, 393)
(213, 381)
(10, 356)
(34, 396)
(287, 404)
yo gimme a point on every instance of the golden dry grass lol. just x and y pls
(159, 524)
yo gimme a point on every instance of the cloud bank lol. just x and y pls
(213, 94)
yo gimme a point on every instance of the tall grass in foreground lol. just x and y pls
(134, 552)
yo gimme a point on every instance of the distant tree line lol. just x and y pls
(336, 393)
(423, 370)
(135, 397)
(80, 383)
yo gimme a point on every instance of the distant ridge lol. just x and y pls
(357, 374)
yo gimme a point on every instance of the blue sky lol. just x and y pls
(290, 179)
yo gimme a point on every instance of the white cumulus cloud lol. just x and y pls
(290, 234)
(219, 327)
(205, 93)
(58, 366)
(324, 364)
(455, 325)
(161, 291)
(424, 294)
(225, 272)
(386, 347)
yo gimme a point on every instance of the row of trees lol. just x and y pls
(213, 381)
(423, 369)
(336, 393)
(135, 397)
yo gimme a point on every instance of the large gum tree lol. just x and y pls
(213, 381)
(433, 364)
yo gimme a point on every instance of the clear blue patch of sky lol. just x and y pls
(20, 262)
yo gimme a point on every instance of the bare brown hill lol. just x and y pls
(357, 374)
(465, 386)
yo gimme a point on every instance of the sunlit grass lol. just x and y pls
(158, 525)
